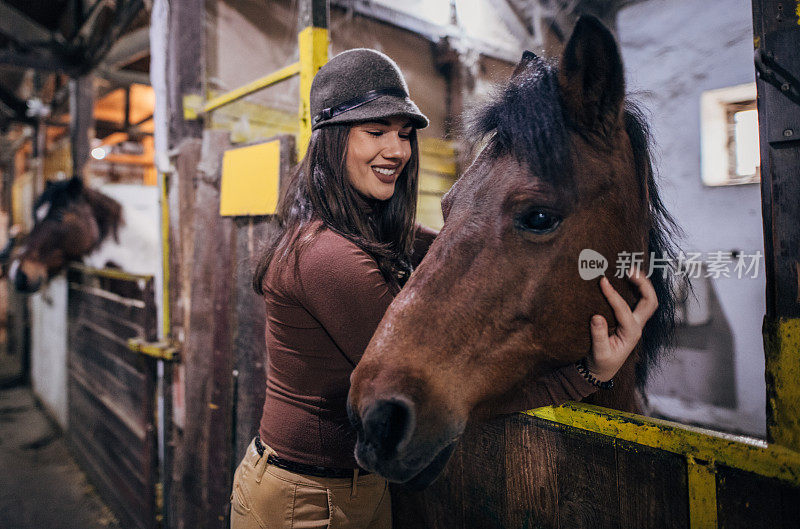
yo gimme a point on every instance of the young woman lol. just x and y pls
(345, 243)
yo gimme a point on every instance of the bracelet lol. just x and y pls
(583, 369)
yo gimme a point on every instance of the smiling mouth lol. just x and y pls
(384, 174)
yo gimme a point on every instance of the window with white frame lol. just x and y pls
(729, 136)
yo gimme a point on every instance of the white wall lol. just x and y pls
(139, 248)
(138, 252)
(673, 51)
(49, 347)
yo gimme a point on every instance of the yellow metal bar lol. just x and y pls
(313, 43)
(110, 273)
(161, 350)
(739, 452)
(165, 309)
(259, 84)
(437, 147)
(782, 355)
(702, 484)
(191, 109)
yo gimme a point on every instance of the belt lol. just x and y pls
(302, 468)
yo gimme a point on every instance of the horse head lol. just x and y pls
(70, 221)
(498, 300)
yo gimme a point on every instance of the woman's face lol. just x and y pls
(377, 152)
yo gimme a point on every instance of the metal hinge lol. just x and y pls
(778, 66)
(165, 350)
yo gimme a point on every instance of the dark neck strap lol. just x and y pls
(372, 95)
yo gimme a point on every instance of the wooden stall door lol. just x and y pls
(523, 471)
(111, 390)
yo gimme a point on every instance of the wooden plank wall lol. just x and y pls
(523, 472)
(201, 263)
(218, 322)
(111, 391)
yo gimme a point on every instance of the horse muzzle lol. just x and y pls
(390, 444)
(21, 281)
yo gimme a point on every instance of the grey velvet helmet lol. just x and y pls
(359, 85)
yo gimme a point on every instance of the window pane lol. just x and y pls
(746, 138)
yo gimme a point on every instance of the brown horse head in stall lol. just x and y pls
(70, 221)
(498, 300)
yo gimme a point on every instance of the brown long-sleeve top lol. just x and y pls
(323, 306)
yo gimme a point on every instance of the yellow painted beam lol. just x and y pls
(313, 43)
(702, 485)
(191, 109)
(262, 122)
(110, 273)
(165, 304)
(434, 183)
(744, 453)
(782, 355)
(250, 88)
(160, 350)
(437, 147)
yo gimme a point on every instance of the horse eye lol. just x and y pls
(537, 221)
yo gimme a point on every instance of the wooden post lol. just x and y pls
(450, 62)
(313, 42)
(185, 65)
(201, 478)
(186, 484)
(209, 376)
(81, 108)
(777, 41)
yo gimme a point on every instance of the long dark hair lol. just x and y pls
(319, 189)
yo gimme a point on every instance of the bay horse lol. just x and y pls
(71, 220)
(498, 300)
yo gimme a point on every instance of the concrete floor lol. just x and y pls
(41, 486)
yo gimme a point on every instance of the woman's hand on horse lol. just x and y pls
(610, 352)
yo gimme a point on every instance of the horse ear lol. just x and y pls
(591, 77)
(527, 58)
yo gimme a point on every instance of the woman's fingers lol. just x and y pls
(601, 344)
(610, 352)
(628, 327)
(648, 304)
(607, 353)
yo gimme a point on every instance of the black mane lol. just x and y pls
(658, 334)
(61, 195)
(58, 195)
(525, 118)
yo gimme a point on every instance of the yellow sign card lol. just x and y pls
(250, 180)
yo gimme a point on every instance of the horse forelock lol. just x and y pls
(525, 119)
(52, 200)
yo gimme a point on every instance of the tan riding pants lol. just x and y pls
(267, 497)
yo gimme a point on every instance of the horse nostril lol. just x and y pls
(20, 280)
(355, 420)
(388, 423)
